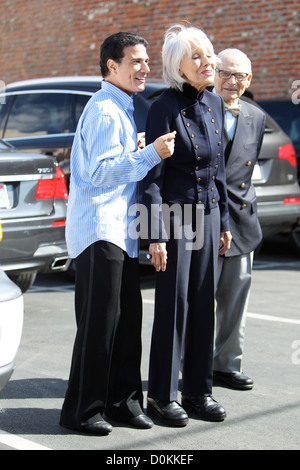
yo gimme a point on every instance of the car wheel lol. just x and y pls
(295, 239)
(23, 280)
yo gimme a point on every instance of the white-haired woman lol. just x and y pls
(193, 232)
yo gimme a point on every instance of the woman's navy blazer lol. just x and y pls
(195, 173)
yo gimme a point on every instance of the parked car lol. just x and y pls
(33, 202)
(287, 115)
(41, 115)
(11, 325)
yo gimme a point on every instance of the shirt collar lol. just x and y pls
(123, 98)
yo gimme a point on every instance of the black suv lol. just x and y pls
(41, 116)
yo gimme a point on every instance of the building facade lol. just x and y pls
(52, 38)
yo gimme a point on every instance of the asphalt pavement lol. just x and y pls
(265, 418)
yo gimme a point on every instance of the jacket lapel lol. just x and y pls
(241, 133)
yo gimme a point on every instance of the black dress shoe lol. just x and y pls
(169, 413)
(236, 380)
(205, 407)
(92, 426)
(140, 421)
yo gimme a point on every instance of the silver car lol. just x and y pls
(11, 325)
(33, 202)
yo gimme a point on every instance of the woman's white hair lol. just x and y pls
(177, 44)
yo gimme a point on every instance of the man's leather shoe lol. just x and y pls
(169, 413)
(236, 380)
(141, 421)
(95, 425)
(205, 407)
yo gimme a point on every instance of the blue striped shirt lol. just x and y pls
(106, 166)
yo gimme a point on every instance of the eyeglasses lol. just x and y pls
(226, 75)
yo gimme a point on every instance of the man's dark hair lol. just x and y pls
(113, 48)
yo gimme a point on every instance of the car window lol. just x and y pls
(140, 112)
(4, 107)
(80, 102)
(142, 103)
(4, 145)
(287, 115)
(1, 112)
(38, 114)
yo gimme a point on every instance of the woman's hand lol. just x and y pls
(158, 253)
(225, 240)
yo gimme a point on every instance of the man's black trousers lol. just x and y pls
(105, 370)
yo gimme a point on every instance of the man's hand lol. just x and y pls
(225, 240)
(141, 140)
(158, 254)
(165, 144)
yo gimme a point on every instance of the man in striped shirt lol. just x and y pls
(107, 161)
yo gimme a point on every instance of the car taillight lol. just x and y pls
(55, 188)
(291, 200)
(59, 223)
(287, 152)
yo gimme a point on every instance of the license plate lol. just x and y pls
(4, 201)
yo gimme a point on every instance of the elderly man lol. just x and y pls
(244, 130)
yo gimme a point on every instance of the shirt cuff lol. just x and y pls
(151, 155)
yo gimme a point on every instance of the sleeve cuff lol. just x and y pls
(151, 155)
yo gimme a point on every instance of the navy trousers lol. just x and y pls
(184, 317)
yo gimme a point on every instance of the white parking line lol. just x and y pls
(61, 288)
(19, 443)
(258, 316)
(272, 318)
